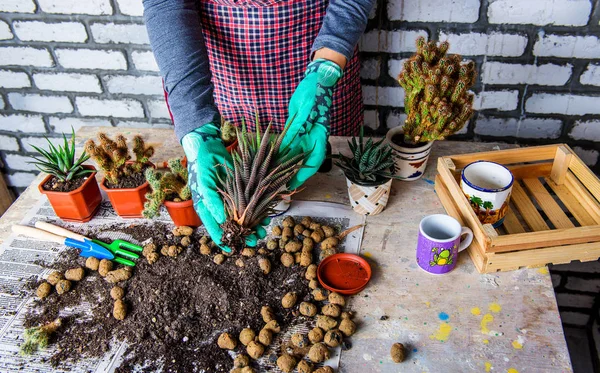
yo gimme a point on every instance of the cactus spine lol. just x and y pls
(437, 101)
(169, 186)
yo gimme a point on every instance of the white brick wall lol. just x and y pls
(540, 12)
(383, 96)
(23, 123)
(492, 44)
(370, 69)
(25, 56)
(390, 41)
(8, 143)
(5, 33)
(548, 103)
(91, 59)
(14, 79)
(19, 179)
(131, 7)
(20, 162)
(395, 120)
(144, 61)
(158, 109)
(466, 11)
(73, 32)
(119, 33)
(511, 73)
(567, 46)
(526, 128)
(70, 82)
(591, 76)
(499, 100)
(40, 104)
(40, 142)
(586, 130)
(97, 7)
(588, 156)
(93, 107)
(371, 119)
(143, 85)
(17, 6)
(64, 125)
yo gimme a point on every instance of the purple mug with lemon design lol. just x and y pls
(441, 238)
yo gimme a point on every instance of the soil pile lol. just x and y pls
(177, 307)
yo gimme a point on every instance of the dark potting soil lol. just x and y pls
(398, 139)
(177, 307)
(54, 185)
(128, 182)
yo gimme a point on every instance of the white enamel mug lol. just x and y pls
(487, 186)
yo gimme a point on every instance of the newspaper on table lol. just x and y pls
(19, 255)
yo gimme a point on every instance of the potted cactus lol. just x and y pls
(70, 186)
(369, 172)
(124, 180)
(256, 183)
(172, 190)
(229, 135)
(437, 103)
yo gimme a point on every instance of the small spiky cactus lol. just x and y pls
(256, 183)
(169, 186)
(112, 156)
(436, 86)
(228, 132)
(38, 337)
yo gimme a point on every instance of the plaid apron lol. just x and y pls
(258, 52)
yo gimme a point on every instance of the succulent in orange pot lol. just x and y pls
(124, 180)
(172, 190)
(70, 186)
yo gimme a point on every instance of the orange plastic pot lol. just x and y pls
(78, 205)
(183, 213)
(231, 147)
(127, 202)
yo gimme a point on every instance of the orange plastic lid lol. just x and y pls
(344, 273)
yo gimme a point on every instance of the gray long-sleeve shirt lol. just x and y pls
(175, 33)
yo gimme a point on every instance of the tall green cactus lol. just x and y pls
(437, 100)
(228, 132)
(168, 186)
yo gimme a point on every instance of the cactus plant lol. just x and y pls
(370, 161)
(256, 183)
(228, 132)
(112, 156)
(437, 100)
(168, 186)
(38, 337)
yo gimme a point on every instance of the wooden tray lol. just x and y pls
(553, 217)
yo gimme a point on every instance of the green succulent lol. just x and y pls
(38, 338)
(228, 132)
(166, 186)
(59, 161)
(370, 161)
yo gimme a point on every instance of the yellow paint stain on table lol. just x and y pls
(486, 341)
(327, 195)
(443, 332)
(476, 311)
(495, 307)
(516, 345)
(487, 318)
(367, 254)
(543, 270)
(488, 366)
(512, 370)
(428, 304)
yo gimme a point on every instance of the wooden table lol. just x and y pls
(459, 322)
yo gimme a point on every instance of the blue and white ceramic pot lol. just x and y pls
(411, 160)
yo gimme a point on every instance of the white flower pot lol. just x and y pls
(368, 198)
(411, 160)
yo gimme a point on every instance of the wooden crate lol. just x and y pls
(554, 214)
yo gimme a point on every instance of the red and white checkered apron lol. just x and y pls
(258, 52)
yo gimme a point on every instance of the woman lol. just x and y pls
(233, 58)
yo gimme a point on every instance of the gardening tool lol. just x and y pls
(117, 247)
(88, 248)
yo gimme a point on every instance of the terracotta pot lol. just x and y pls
(231, 147)
(368, 198)
(183, 213)
(127, 202)
(78, 205)
(411, 160)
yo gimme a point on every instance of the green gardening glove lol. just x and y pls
(206, 154)
(309, 110)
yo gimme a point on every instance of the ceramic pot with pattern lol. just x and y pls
(411, 160)
(368, 198)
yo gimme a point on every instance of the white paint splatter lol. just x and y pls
(367, 357)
